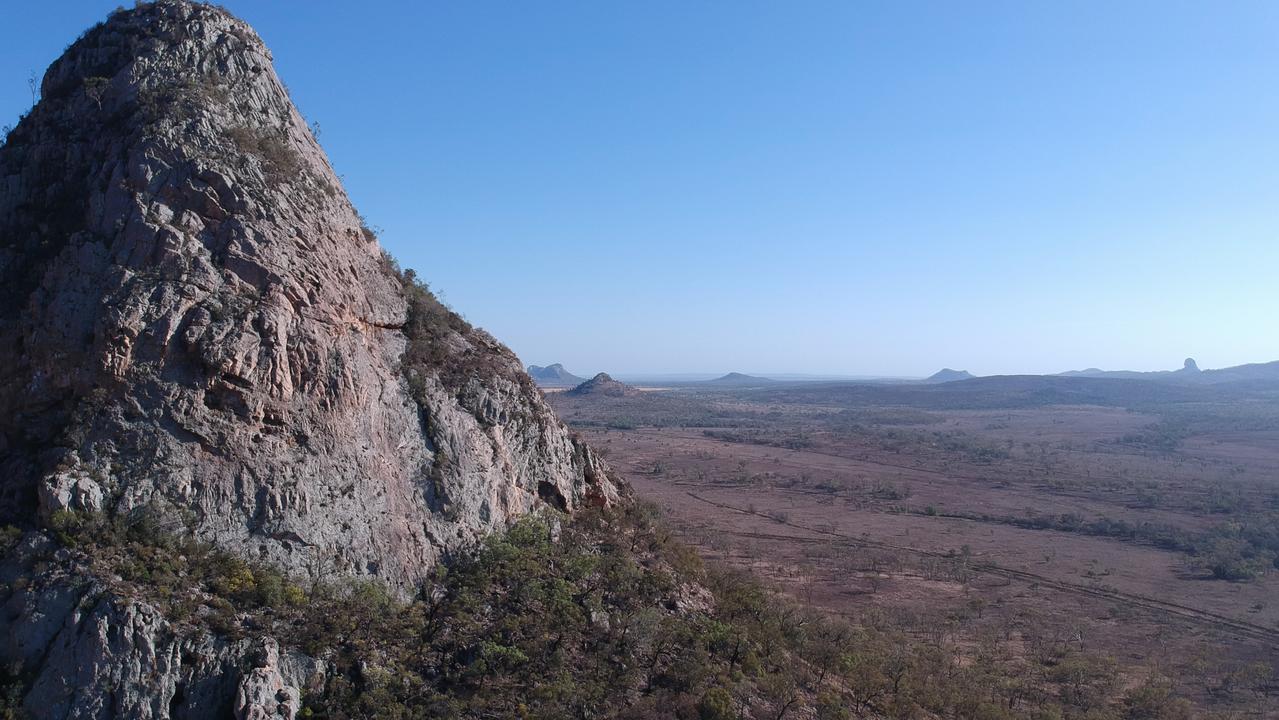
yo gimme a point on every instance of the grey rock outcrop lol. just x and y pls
(195, 323)
(265, 692)
(95, 654)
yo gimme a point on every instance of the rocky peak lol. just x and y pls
(196, 323)
(553, 375)
(603, 384)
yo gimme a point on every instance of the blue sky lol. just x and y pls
(822, 187)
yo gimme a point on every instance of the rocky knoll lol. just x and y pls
(603, 384)
(196, 326)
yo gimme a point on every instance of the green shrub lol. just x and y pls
(10, 536)
(1154, 700)
(716, 704)
(1231, 558)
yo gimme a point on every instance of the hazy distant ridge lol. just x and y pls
(736, 379)
(1189, 373)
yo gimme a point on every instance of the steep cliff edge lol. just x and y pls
(196, 321)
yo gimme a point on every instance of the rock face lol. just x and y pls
(195, 321)
(197, 325)
(95, 655)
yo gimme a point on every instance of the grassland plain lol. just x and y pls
(1128, 519)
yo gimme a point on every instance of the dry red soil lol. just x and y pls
(900, 523)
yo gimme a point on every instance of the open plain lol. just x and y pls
(1033, 518)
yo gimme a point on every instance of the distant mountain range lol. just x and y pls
(554, 376)
(1189, 373)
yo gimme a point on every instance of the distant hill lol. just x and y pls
(603, 385)
(1189, 368)
(947, 375)
(736, 379)
(1239, 373)
(1189, 373)
(554, 376)
(605, 402)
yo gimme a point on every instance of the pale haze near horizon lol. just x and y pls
(811, 187)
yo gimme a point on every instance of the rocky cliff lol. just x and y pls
(197, 326)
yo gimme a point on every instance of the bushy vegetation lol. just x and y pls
(428, 326)
(552, 619)
(1164, 436)
(280, 161)
(193, 580)
(648, 409)
(1241, 549)
(601, 615)
(796, 440)
(826, 430)
(443, 345)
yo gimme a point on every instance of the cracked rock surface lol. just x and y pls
(90, 653)
(196, 322)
